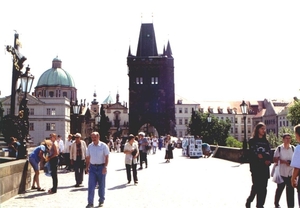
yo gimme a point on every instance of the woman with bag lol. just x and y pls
(77, 156)
(169, 149)
(131, 151)
(283, 156)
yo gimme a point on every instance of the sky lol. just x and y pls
(222, 49)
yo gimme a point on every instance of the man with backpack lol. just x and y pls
(283, 154)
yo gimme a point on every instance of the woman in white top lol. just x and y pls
(131, 151)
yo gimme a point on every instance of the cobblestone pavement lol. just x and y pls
(184, 182)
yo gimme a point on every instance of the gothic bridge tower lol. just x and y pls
(151, 86)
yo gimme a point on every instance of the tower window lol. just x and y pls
(154, 80)
(139, 80)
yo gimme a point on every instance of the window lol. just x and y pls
(50, 126)
(31, 126)
(7, 111)
(180, 134)
(139, 80)
(186, 121)
(31, 111)
(154, 80)
(180, 121)
(65, 94)
(53, 111)
(180, 110)
(185, 110)
(48, 111)
(249, 120)
(236, 130)
(51, 93)
(231, 130)
(231, 120)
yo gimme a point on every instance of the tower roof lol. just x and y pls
(147, 41)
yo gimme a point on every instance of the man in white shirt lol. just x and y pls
(60, 150)
(283, 154)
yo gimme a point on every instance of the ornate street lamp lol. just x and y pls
(76, 110)
(97, 122)
(209, 118)
(244, 109)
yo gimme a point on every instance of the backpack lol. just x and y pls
(279, 148)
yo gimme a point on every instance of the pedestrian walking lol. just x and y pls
(143, 143)
(295, 163)
(38, 155)
(283, 154)
(53, 159)
(169, 149)
(66, 154)
(259, 161)
(154, 144)
(131, 151)
(77, 156)
(96, 166)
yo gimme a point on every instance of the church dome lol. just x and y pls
(56, 76)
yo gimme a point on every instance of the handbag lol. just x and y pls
(276, 176)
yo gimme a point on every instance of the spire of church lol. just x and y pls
(95, 102)
(168, 50)
(117, 97)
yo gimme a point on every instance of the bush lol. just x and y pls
(233, 142)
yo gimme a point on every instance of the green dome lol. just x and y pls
(56, 76)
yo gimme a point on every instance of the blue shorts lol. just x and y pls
(34, 164)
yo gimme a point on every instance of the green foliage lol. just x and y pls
(273, 139)
(214, 132)
(233, 142)
(276, 141)
(294, 113)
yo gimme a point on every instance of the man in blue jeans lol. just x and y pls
(96, 166)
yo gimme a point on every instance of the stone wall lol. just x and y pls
(15, 177)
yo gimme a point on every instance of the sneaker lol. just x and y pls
(101, 204)
(140, 168)
(128, 182)
(89, 206)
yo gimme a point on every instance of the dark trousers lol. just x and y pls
(143, 157)
(78, 170)
(67, 160)
(53, 166)
(289, 192)
(258, 189)
(134, 172)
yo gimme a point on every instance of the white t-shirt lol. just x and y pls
(296, 157)
(284, 154)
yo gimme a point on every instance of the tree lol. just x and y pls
(294, 113)
(104, 126)
(214, 132)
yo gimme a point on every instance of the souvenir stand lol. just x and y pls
(192, 147)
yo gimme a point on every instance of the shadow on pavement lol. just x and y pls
(118, 187)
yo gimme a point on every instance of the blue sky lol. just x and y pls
(223, 50)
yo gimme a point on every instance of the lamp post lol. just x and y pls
(26, 84)
(76, 111)
(97, 122)
(244, 109)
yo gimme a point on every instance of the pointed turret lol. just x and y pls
(168, 50)
(129, 51)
